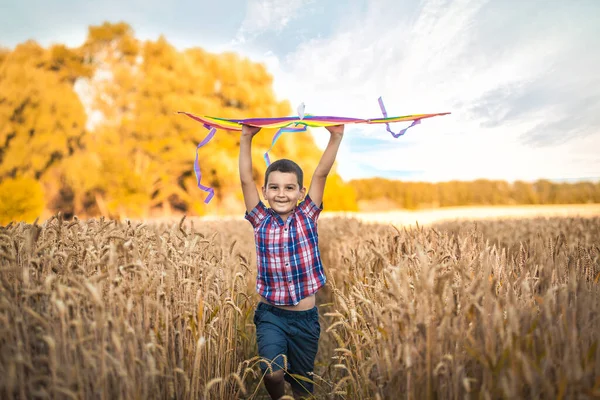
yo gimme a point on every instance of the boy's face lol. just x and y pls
(283, 192)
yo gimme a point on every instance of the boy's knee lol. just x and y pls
(275, 378)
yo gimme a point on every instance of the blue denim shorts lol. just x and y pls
(294, 334)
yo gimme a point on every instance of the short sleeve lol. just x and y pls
(310, 209)
(257, 214)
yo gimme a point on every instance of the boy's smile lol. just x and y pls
(283, 192)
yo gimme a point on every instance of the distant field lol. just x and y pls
(427, 217)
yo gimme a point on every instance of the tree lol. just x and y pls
(43, 120)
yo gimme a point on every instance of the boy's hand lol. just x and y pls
(335, 129)
(248, 130)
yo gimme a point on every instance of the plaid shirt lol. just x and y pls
(288, 257)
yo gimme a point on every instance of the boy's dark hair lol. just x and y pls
(285, 165)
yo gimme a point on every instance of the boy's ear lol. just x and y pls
(264, 192)
(302, 193)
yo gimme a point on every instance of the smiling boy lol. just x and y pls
(290, 270)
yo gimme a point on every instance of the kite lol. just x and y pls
(297, 123)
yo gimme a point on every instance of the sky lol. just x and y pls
(519, 77)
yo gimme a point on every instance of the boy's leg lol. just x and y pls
(272, 345)
(303, 345)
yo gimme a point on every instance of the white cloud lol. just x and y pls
(448, 56)
(267, 15)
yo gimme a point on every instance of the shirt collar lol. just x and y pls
(278, 217)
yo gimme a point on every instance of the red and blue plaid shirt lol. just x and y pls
(288, 258)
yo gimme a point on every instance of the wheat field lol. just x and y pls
(101, 309)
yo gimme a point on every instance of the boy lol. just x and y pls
(289, 263)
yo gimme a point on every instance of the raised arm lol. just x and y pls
(317, 184)
(249, 190)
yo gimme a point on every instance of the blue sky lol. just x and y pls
(519, 76)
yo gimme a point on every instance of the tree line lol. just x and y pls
(414, 195)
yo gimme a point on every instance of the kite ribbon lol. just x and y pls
(278, 135)
(210, 191)
(387, 125)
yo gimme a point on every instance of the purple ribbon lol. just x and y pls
(278, 135)
(403, 131)
(210, 191)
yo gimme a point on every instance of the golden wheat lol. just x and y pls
(107, 309)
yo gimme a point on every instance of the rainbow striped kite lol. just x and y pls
(292, 124)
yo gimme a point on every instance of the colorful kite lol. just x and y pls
(292, 124)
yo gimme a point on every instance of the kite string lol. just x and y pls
(387, 125)
(209, 190)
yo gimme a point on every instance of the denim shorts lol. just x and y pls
(293, 333)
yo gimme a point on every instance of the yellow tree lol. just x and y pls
(137, 89)
(117, 185)
(43, 120)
